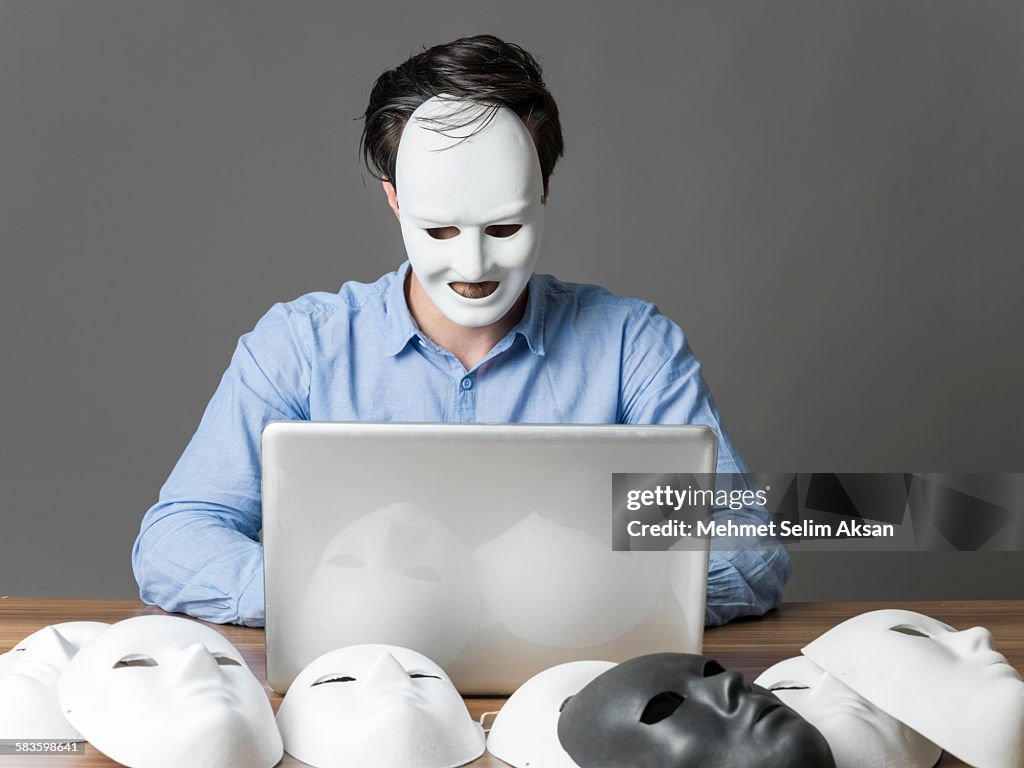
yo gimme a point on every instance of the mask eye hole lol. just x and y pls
(443, 233)
(345, 560)
(661, 706)
(712, 668)
(334, 678)
(906, 629)
(422, 573)
(502, 230)
(418, 675)
(135, 660)
(226, 661)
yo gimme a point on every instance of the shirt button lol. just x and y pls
(467, 383)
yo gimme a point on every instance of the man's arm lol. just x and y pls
(662, 384)
(198, 551)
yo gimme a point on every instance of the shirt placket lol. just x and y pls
(465, 397)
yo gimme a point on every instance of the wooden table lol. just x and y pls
(746, 646)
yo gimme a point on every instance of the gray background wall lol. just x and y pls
(826, 196)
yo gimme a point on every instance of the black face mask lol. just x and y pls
(677, 710)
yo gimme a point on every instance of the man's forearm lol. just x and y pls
(746, 575)
(192, 561)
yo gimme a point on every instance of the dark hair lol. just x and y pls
(482, 69)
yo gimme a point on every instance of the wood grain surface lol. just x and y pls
(749, 646)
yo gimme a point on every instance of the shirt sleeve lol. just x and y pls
(198, 550)
(662, 384)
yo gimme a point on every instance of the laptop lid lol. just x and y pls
(487, 548)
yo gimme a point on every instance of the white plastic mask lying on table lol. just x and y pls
(380, 706)
(163, 692)
(952, 687)
(525, 732)
(859, 734)
(28, 681)
(471, 209)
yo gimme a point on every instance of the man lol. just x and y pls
(464, 138)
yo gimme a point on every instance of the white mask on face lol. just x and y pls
(28, 681)
(471, 209)
(570, 590)
(163, 692)
(377, 705)
(950, 686)
(859, 734)
(404, 574)
(525, 732)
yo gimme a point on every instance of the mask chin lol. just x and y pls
(476, 312)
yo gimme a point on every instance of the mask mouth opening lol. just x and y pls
(475, 290)
(661, 706)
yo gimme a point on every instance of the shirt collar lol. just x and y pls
(531, 326)
(400, 328)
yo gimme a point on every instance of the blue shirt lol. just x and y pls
(579, 355)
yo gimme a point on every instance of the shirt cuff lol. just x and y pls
(251, 608)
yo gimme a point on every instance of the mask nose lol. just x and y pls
(50, 646)
(386, 672)
(471, 261)
(194, 663)
(734, 690)
(971, 640)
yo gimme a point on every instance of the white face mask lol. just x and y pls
(163, 692)
(859, 734)
(950, 686)
(571, 590)
(471, 209)
(28, 681)
(377, 705)
(525, 732)
(407, 578)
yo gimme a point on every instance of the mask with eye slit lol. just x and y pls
(28, 681)
(679, 710)
(163, 692)
(405, 576)
(859, 734)
(471, 206)
(377, 705)
(951, 686)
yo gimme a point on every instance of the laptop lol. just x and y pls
(486, 547)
